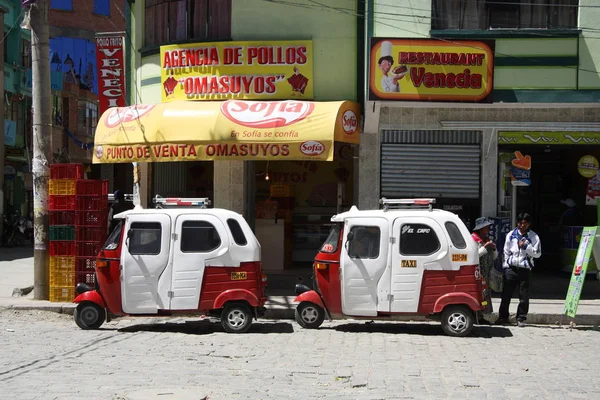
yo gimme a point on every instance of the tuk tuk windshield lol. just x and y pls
(112, 242)
(331, 243)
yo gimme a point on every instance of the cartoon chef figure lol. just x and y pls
(389, 81)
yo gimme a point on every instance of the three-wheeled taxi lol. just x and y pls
(406, 259)
(172, 261)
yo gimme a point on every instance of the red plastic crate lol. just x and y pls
(66, 171)
(89, 278)
(87, 249)
(87, 234)
(85, 264)
(62, 218)
(89, 203)
(62, 248)
(91, 187)
(91, 218)
(61, 202)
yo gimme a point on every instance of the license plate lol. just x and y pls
(239, 276)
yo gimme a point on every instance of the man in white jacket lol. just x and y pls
(522, 245)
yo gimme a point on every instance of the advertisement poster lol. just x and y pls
(237, 70)
(411, 69)
(227, 130)
(593, 190)
(520, 172)
(582, 259)
(111, 72)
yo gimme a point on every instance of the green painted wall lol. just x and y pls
(412, 19)
(407, 19)
(333, 32)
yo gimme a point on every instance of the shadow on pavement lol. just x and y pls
(15, 253)
(205, 327)
(424, 329)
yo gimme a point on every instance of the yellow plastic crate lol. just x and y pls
(62, 294)
(62, 264)
(63, 279)
(62, 187)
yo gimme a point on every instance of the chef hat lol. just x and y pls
(386, 52)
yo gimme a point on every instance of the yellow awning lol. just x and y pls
(229, 130)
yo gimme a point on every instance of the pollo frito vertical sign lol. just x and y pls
(111, 72)
(237, 70)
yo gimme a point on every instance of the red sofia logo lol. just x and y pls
(349, 122)
(312, 148)
(263, 114)
(120, 115)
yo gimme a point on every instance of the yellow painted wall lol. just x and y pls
(333, 32)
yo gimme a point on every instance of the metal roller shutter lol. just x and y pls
(440, 164)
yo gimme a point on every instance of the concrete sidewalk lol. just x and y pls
(16, 271)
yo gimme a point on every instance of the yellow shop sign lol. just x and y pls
(407, 69)
(237, 70)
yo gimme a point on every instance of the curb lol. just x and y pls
(287, 313)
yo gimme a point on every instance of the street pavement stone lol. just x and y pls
(44, 355)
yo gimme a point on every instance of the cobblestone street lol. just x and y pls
(45, 356)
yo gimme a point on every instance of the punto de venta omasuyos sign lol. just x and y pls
(429, 69)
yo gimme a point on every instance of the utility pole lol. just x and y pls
(42, 129)
(4, 37)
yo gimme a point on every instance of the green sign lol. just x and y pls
(548, 138)
(584, 253)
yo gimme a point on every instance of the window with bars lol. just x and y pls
(87, 117)
(504, 14)
(179, 20)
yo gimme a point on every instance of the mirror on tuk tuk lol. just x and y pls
(349, 238)
(129, 235)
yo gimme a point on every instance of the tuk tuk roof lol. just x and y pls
(174, 212)
(392, 214)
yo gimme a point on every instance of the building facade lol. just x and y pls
(16, 182)
(286, 201)
(74, 25)
(479, 83)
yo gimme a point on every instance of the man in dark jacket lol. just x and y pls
(119, 206)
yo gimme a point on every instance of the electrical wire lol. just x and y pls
(420, 35)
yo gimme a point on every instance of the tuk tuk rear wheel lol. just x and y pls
(89, 315)
(236, 318)
(309, 315)
(457, 320)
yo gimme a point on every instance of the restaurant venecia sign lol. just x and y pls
(111, 72)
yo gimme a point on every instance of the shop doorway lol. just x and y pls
(294, 203)
(554, 179)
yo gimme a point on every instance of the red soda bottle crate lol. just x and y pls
(87, 249)
(92, 187)
(91, 203)
(62, 248)
(61, 202)
(91, 218)
(89, 278)
(62, 218)
(62, 294)
(66, 171)
(61, 187)
(87, 234)
(85, 264)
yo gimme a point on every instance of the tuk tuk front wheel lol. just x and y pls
(309, 315)
(89, 315)
(236, 318)
(457, 320)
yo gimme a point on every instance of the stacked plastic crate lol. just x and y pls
(78, 211)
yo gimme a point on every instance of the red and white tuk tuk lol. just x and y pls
(406, 259)
(182, 260)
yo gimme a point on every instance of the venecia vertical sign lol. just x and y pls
(111, 72)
